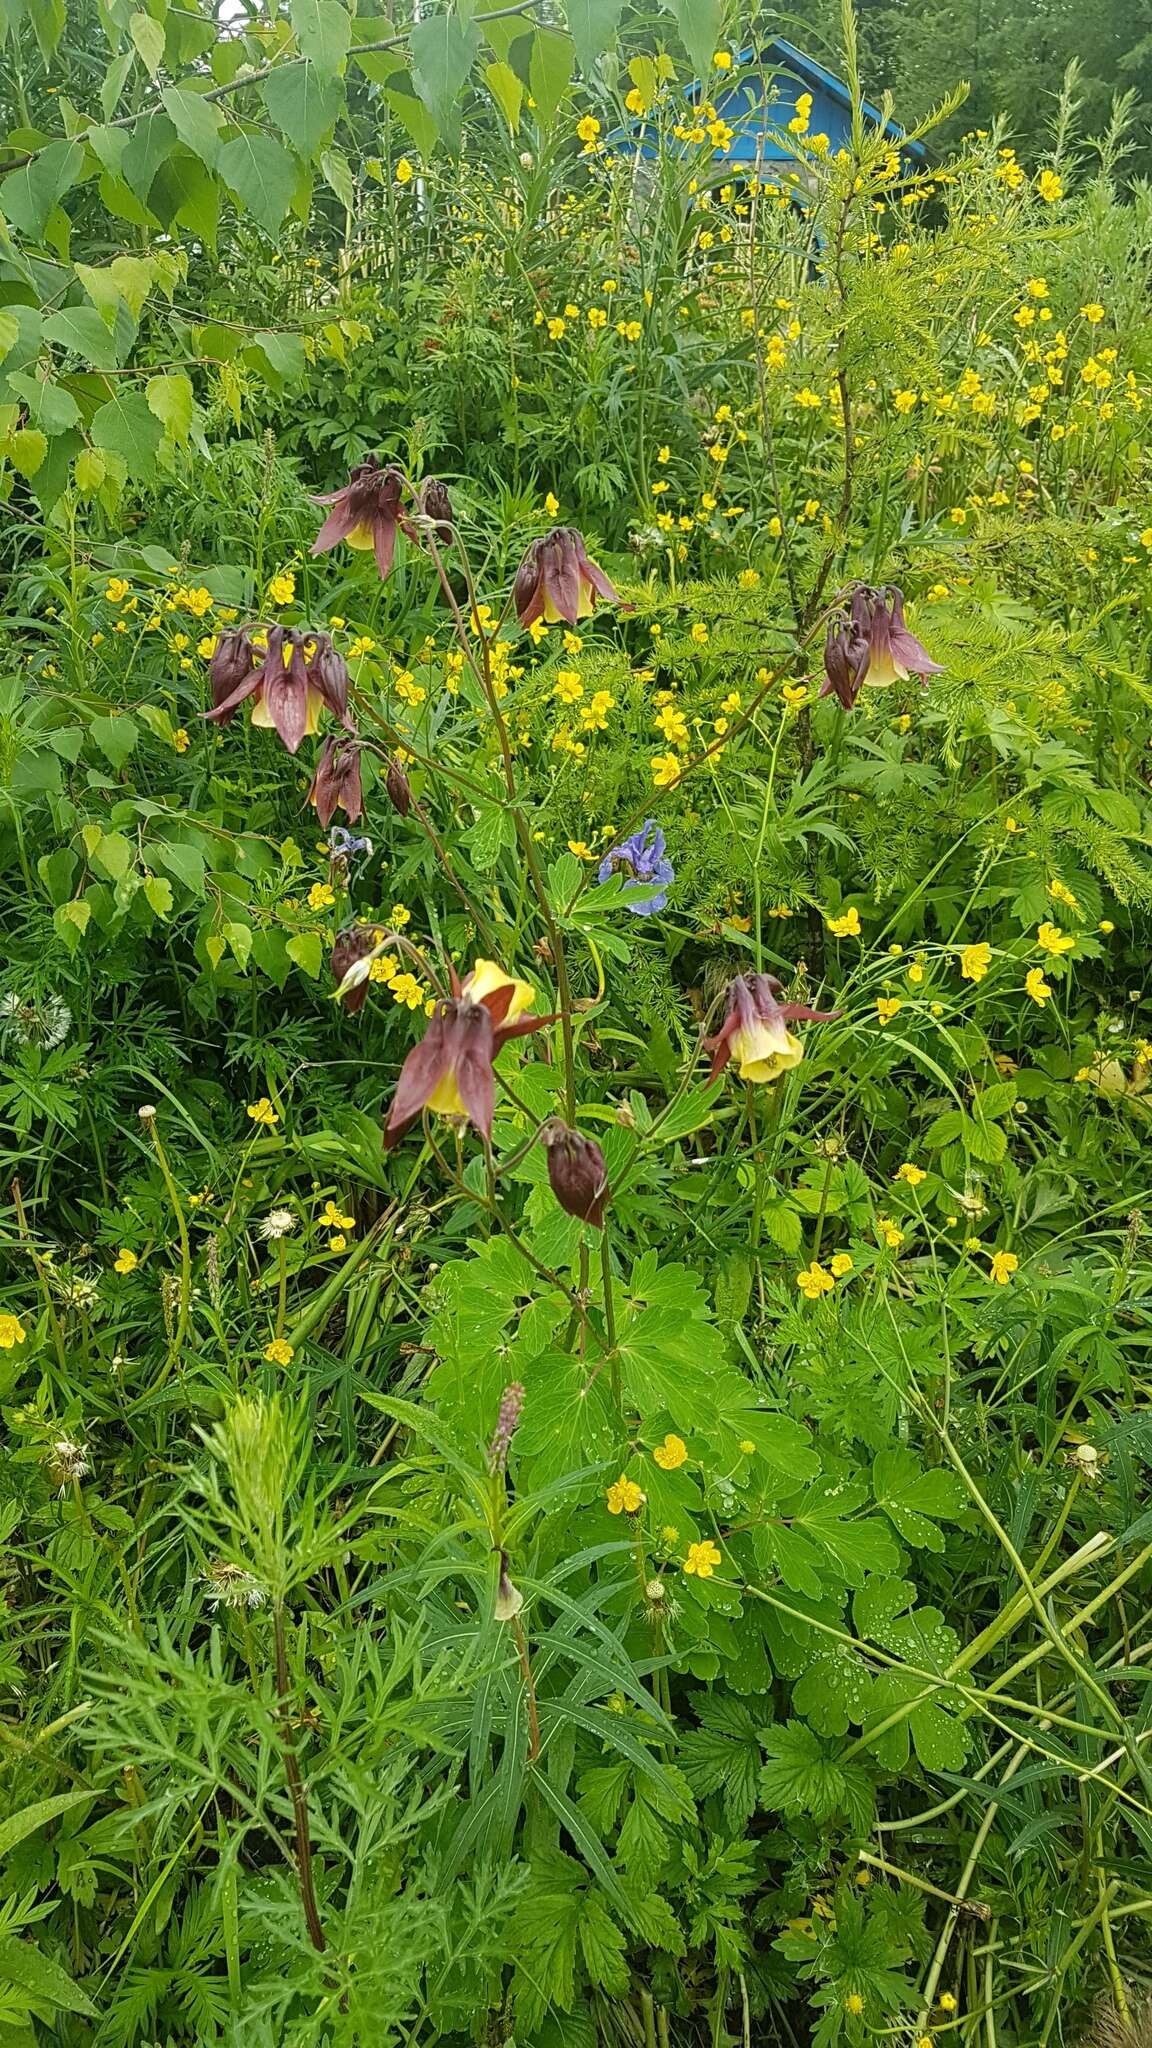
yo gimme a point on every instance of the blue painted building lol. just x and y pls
(758, 103)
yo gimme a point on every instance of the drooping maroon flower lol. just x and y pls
(300, 674)
(872, 645)
(366, 513)
(233, 660)
(755, 1029)
(336, 783)
(556, 581)
(450, 1070)
(846, 654)
(577, 1174)
(354, 943)
(398, 787)
(433, 502)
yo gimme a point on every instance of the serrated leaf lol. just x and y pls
(31, 192)
(70, 921)
(114, 854)
(259, 172)
(127, 427)
(115, 737)
(81, 330)
(723, 1755)
(549, 71)
(158, 891)
(603, 1947)
(323, 30)
(801, 1778)
(914, 1499)
(307, 950)
(27, 450)
(185, 862)
(169, 399)
(507, 92)
(197, 122)
(303, 105)
(148, 38)
(593, 25)
(441, 53)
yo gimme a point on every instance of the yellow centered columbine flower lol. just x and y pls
(486, 979)
(12, 1332)
(671, 1454)
(125, 1261)
(701, 1561)
(624, 1497)
(755, 1029)
(975, 961)
(1003, 1265)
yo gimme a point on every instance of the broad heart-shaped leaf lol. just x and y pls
(127, 426)
(699, 23)
(441, 53)
(303, 104)
(507, 92)
(31, 192)
(909, 1495)
(50, 405)
(593, 25)
(197, 122)
(148, 36)
(116, 738)
(262, 176)
(323, 30)
(307, 950)
(83, 333)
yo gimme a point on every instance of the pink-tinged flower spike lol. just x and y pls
(577, 1174)
(846, 655)
(365, 513)
(557, 582)
(336, 783)
(450, 1070)
(301, 675)
(894, 652)
(755, 1029)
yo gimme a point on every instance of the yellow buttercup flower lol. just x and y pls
(279, 1352)
(887, 1007)
(911, 1175)
(1053, 940)
(404, 172)
(671, 1454)
(975, 961)
(702, 1560)
(1003, 1265)
(624, 1497)
(263, 1113)
(12, 1332)
(839, 1265)
(125, 1261)
(1037, 986)
(845, 927)
(814, 1281)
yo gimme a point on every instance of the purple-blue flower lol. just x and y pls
(642, 859)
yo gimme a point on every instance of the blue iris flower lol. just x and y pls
(642, 859)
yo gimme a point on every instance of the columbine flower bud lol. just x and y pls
(398, 787)
(433, 501)
(509, 1598)
(576, 1172)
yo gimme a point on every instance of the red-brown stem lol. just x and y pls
(529, 1688)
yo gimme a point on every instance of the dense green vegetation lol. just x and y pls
(575, 1041)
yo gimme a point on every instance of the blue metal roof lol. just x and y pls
(753, 111)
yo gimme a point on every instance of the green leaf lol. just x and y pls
(48, 21)
(800, 1778)
(183, 861)
(115, 737)
(699, 23)
(26, 450)
(9, 334)
(442, 51)
(549, 71)
(90, 470)
(114, 853)
(81, 331)
(507, 92)
(169, 398)
(307, 950)
(126, 278)
(723, 1755)
(262, 177)
(197, 122)
(158, 891)
(127, 427)
(31, 192)
(593, 24)
(26, 1822)
(239, 937)
(337, 171)
(23, 1965)
(50, 404)
(148, 37)
(71, 920)
(303, 105)
(57, 871)
(284, 354)
(602, 1944)
(323, 30)
(415, 117)
(910, 1496)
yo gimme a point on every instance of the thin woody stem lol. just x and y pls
(296, 1787)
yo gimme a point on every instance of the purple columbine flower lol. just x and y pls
(642, 859)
